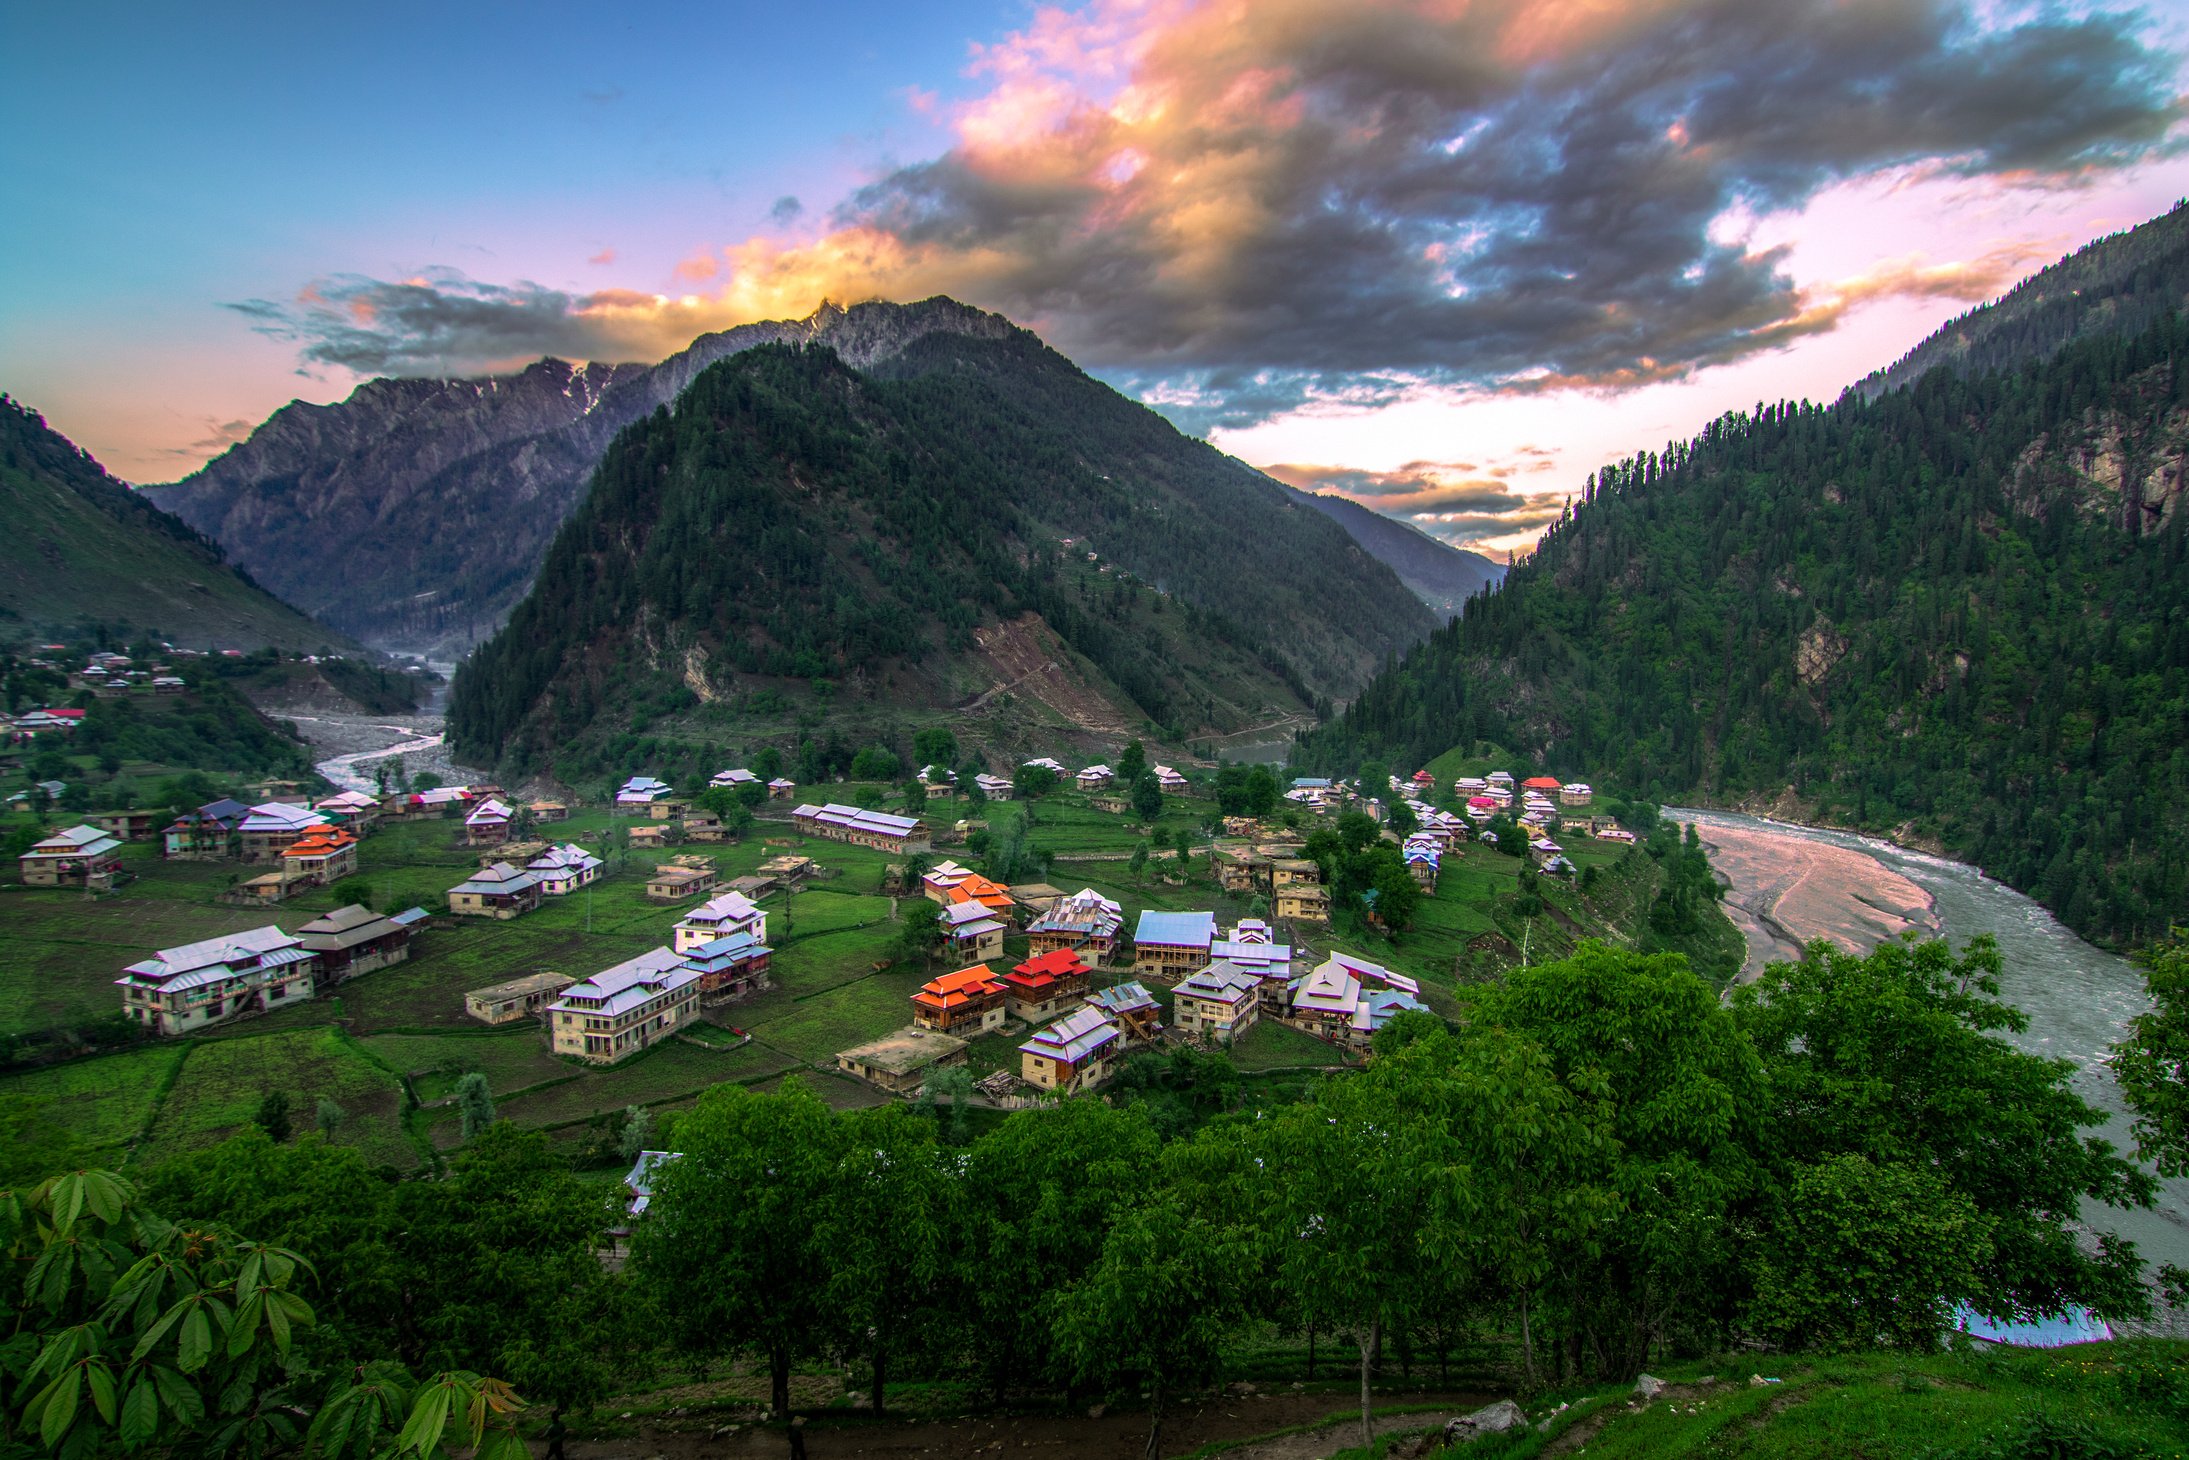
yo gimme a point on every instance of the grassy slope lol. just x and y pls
(2116, 1399)
(66, 556)
(385, 1042)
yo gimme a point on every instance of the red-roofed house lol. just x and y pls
(961, 1004)
(1047, 985)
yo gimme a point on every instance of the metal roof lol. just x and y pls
(1176, 929)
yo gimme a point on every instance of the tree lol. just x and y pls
(1896, 1057)
(1147, 797)
(1156, 1306)
(1374, 778)
(1032, 782)
(425, 781)
(1131, 761)
(2152, 1063)
(1138, 863)
(328, 1117)
(474, 1105)
(731, 1251)
(935, 746)
(1399, 817)
(638, 1131)
(894, 1200)
(272, 1115)
(921, 937)
(874, 763)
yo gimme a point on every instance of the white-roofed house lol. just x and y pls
(719, 917)
(271, 828)
(564, 869)
(487, 824)
(972, 931)
(1252, 945)
(877, 829)
(936, 881)
(1086, 922)
(995, 788)
(621, 1010)
(82, 856)
(178, 990)
(640, 791)
(1173, 782)
(1347, 998)
(1075, 1053)
(734, 777)
(1095, 778)
(496, 891)
(1220, 1001)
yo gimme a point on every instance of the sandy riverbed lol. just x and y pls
(1784, 894)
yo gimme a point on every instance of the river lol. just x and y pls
(1789, 884)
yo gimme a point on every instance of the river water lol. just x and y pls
(1789, 884)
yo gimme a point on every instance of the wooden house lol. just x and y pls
(973, 933)
(323, 855)
(1172, 944)
(82, 856)
(1077, 1052)
(181, 990)
(1086, 921)
(1047, 984)
(520, 998)
(1135, 1012)
(969, 1002)
(673, 883)
(496, 891)
(897, 835)
(1219, 1002)
(354, 939)
(730, 967)
(720, 917)
(272, 827)
(1302, 903)
(487, 824)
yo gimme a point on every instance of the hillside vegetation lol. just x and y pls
(82, 548)
(795, 520)
(1958, 613)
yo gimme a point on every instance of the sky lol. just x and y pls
(1443, 256)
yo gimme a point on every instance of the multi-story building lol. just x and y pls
(1047, 984)
(621, 1010)
(878, 829)
(1219, 1002)
(1073, 1054)
(197, 985)
(719, 917)
(963, 1004)
(1172, 944)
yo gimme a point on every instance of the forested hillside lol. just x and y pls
(1957, 613)
(2123, 284)
(1442, 576)
(81, 547)
(795, 520)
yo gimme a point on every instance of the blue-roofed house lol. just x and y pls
(730, 967)
(1172, 944)
(1138, 1017)
(1075, 1053)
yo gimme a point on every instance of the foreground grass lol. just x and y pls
(2093, 1402)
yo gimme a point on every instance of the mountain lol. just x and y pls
(414, 513)
(82, 546)
(2120, 285)
(1440, 575)
(1957, 613)
(971, 527)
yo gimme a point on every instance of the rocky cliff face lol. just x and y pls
(414, 514)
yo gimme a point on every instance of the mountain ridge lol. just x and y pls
(1442, 576)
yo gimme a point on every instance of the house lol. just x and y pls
(488, 823)
(1540, 786)
(322, 855)
(1047, 984)
(643, 838)
(638, 1182)
(1424, 858)
(989, 894)
(937, 881)
(704, 826)
(1095, 778)
(1073, 1054)
(1616, 834)
(1049, 764)
(1251, 945)
(640, 791)
(674, 883)
(878, 829)
(168, 684)
(207, 834)
(734, 778)
(1423, 780)
(1086, 921)
(1481, 808)
(352, 809)
(1219, 1002)
(272, 827)
(668, 808)
(1302, 903)
(1138, 1017)
(520, 998)
(995, 788)
(545, 811)
(128, 826)
(211, 982)
(495, 891)
(940, 790)
(353, 940)
(966, 1003)
(1172, 782)
(781, 789)
(1576, 793)
(621, 1010)
(1286, 872)
(1240, 869)
(564, 869)
(1545, 849)
(1169, 944)
(730, 967)
(1115, 805)
(900, 1063)
(82, 856)
(720, 917)
(1035, 898)
(268, 889)
(972, 932)
(1347, 999)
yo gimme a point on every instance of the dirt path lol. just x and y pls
(1114, 1435)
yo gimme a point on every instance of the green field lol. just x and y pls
(389, 1046)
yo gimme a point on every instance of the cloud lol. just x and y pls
(1439, 497)
(605, 256)
(787, 210)
(219, 436)
(1241, 209)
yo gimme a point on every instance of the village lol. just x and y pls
(589, 959)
